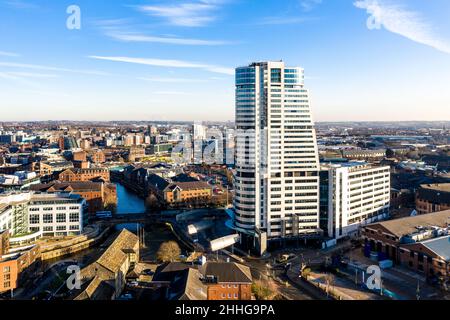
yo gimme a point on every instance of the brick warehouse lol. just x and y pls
(420, 242)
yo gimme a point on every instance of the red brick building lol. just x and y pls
(433, 198)
(227, 281)
(14, 263)
(70, 175)
(80, 156)
(98, 195)
(419, 242)
(98, 157)
(211, 281)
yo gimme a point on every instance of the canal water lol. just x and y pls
(128, 202)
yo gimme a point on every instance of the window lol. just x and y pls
(74, 228)
(60, 228)
(74, 217)
(60, 217)
(7, 284)
(420, 257)
(48, 229)
(48, 218)
(6, 269)
(34, 219)
(7, 277)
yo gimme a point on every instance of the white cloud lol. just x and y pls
(29, 74)
(308, 5)
(282, 20)
(168, 63)
(401, 21)
(9, 54)
(133, 37)
(172, 93)
(170, 80)
(20, 4)
(49, 68)
(188, 14)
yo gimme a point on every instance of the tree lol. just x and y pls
(390, 153)
(263, 290)
(169, 252)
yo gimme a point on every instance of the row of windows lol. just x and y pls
(49, 218)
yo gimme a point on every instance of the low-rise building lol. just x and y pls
(80, 156)
(227, 280)
(419, 242)
(210, 281)
(49, 167)
(97, 156)
(29, 216)
(14, 262)
(184, 192)
(84, 175)
(105, 279)
(364, 154)
(433, 197)
(98, 195)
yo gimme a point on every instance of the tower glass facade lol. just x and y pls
(277, 163)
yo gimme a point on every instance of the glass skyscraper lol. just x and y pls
(277, 163)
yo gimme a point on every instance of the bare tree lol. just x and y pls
(169, 252)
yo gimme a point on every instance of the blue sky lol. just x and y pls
(174, 60)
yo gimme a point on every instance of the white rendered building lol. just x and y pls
(353, 194)
(277, 163)
(29, 215)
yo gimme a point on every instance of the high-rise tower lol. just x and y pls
(277, 163)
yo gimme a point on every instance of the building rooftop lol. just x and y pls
(189, 185)
(444, 187)
(67, 186)
(229, 272)
(435, 193)
(440, 246)
(408, 225)
(113, 258)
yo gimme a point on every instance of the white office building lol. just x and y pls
(353, 194)
(29, 215)
(277, 163)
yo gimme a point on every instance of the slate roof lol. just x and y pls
(185, 281)
(157, 182)
(63, 186)
(168, 271)
(183, 177)
(192, 287)
(189, 185)
(227, 272)
(435, 193)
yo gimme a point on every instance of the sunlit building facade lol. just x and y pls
(277, 163)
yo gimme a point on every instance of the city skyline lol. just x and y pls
(364, 60)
